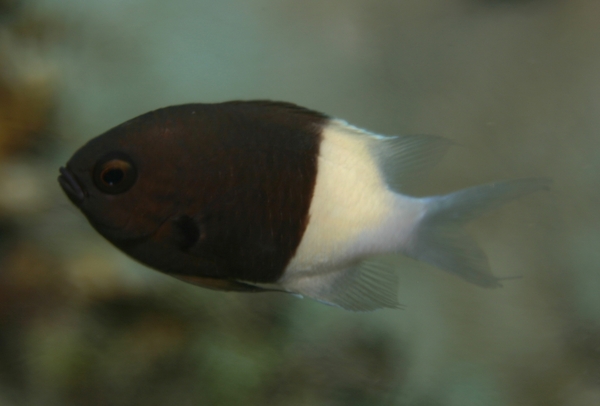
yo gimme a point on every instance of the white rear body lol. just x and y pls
(357, 213)
(353, 214)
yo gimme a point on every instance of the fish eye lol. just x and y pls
(114, 174)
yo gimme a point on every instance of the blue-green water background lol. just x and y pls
(515, 83)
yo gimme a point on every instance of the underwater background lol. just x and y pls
(515, 83)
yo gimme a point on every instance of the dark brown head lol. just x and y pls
(117, 182)
(216, 190)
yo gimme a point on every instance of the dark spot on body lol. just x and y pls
(188, 232)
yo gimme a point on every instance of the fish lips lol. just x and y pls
(71, 186)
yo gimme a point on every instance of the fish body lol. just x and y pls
(260, 195)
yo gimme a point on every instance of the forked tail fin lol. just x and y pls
(440, 240)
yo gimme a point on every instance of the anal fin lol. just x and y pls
(366, 286)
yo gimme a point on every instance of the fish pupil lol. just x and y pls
(113, 176)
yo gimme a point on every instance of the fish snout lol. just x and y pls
(69, 183)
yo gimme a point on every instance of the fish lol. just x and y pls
(255, 196)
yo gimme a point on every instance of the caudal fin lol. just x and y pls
(440, 240)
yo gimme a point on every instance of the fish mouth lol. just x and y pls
(71, 186)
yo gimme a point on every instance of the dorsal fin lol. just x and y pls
(404, 159)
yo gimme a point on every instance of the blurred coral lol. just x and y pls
(27, 85)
